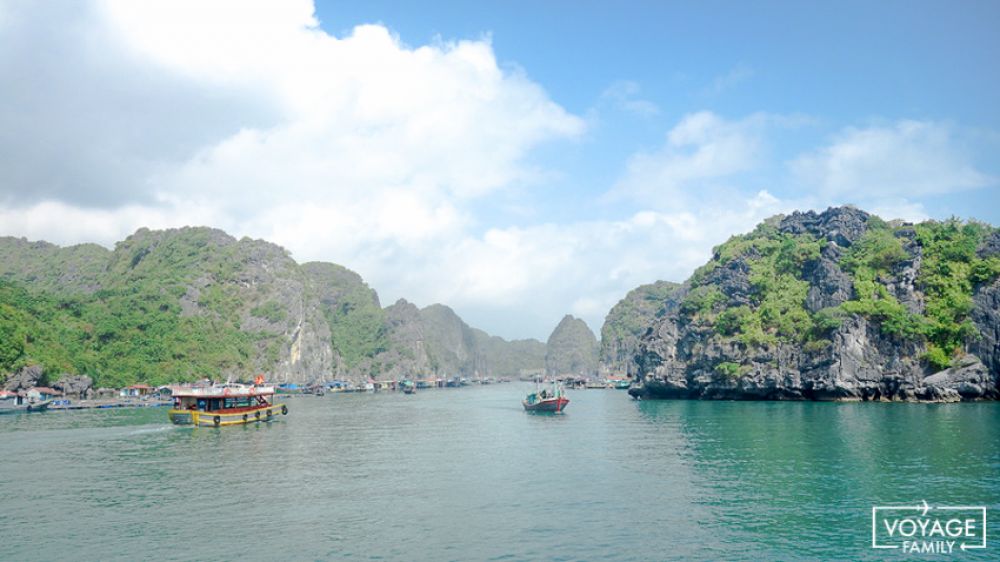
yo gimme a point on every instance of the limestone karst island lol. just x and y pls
(837, 305)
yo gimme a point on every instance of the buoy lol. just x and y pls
(244, 418)
(218, 421)
(284, 410)
(257, 415)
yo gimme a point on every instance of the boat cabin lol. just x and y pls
(211, 402)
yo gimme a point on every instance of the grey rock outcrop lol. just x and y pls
(969, 380)
(27, 377)
(840, 225)
(626, 323)
(683, 357)
(571, 349)
(74, 385)
(986, 311)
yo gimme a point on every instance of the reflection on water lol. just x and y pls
(801, 478)
(464, 474)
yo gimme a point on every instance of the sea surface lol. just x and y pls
(465, 474)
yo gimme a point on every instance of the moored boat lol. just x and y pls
(225, 404)
(12, 403)
(547, 400)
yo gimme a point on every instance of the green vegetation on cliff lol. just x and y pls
(132, 328)
(774, 308)
(627, 321)
(775, 311)
(351, 308)
(189, 303)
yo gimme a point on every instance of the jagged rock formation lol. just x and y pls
(986, 311)
(627, 322)
(190, 303)
(571, 349)
(74, 385)
(833, 306)
(24, 379)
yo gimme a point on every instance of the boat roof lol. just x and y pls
(221, 391)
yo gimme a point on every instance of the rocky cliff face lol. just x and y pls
(833, 306)
(355, 320)
(627, 322)
(249, 286)
(986, 310)
(571, 349)
(190, 303)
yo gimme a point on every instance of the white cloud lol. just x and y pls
(624, 95)
(66, 224)
(890, 209)
(541, 272)
(247, 116)
(361, 150)
(904, 160)
(699, 154)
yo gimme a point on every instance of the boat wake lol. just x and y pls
(157, 429)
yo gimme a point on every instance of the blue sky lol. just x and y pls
(517, 161)
(840, 63)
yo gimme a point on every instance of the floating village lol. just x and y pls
(212, 403)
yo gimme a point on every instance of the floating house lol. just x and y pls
(136, 391)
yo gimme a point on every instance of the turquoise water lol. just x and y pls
(465, 474)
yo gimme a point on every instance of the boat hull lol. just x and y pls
(23, 408)
(553, 405)
(222, 418)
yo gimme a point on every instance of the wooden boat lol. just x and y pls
(408, 387)
(226, 404)
(547, 400)
(13, 403)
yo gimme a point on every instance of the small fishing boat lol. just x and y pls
(551, 399)
(13, 403)
(225, 404)
(408, 386)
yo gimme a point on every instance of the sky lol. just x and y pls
(517, 161)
